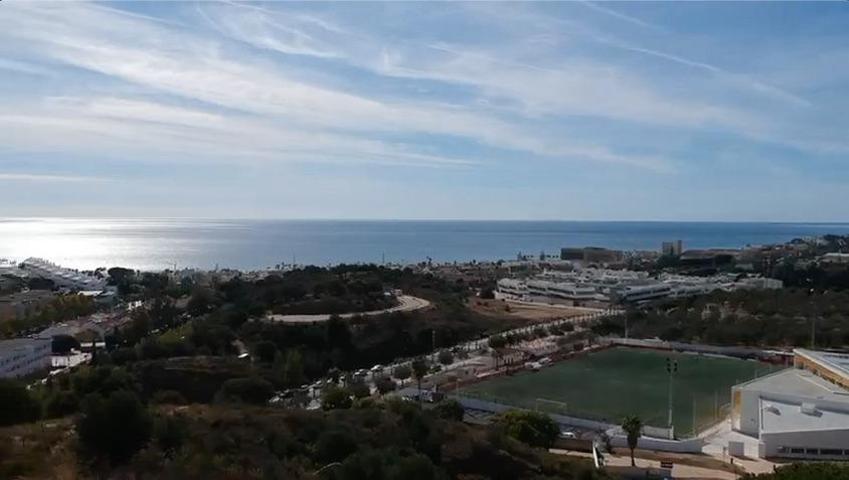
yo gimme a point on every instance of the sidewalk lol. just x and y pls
(716, 444)
(678, 470)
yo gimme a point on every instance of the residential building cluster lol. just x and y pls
(62, 277)
(601, 287)
(23, 356)
(23, 303)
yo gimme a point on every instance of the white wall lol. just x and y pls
(750, 412)
(23, 360)
(693, 445)
(830, 439)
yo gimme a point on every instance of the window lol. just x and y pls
(831, 451)
(782, 449)
(797, 450)
(813, 451)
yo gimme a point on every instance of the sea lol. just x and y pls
(158, 243)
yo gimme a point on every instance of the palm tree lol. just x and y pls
(419, 367)
(633, 426)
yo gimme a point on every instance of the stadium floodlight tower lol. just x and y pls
(671, 369)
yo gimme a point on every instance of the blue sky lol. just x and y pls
(579, 110)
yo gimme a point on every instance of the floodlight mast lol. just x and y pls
(671, 369)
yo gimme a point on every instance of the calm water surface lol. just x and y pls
(254, 244)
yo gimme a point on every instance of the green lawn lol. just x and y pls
(610, 384)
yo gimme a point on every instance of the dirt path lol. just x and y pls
(406, 303)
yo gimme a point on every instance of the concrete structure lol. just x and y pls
(761, 283)
(644, 293)
(834, 257)
(22, 356)
(513, 288)
(834, 367)
(96, 325)
(802, 412)
(591, 255)
(62, 277)
(707, 258)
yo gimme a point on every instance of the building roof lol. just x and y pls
(778, 416)
(836, 362)
(799, 383)
(15, 344)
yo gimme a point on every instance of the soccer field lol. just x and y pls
(616, 382)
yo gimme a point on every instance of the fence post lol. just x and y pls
(716, 406)
(694, 415)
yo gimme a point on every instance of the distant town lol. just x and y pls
(492, 337)
(593, 277)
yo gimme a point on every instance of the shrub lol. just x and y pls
(253, 390)
(497, 341)
(169, 397)
(532, 428)
(169, 433)
(450, 410)
(333, 398)
(17, 405)
(385, 385)
(445, 357)
(334, 446)
(359, 389)
(265, 351)
(402, 372)
(61, 403)
(113, 427)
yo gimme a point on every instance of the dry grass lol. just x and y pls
(531, 313)
(38, 450)
(691, 459)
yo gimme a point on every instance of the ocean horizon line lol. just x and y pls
(423, 220)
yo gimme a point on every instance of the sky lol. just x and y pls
(576, 110)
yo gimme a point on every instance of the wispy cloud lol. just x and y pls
(474, 94)
(48, 178)
(621, 16)
(22, 67)
(177, 63)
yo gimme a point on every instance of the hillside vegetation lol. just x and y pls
(373, 441)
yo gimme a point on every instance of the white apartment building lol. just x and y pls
(23, 356)
(603, 285)
(63, 277)
(643, 293)
(801, 412)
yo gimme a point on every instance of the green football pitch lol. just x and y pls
(612, 383)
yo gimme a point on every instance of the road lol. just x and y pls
(480, 345)
(406, 303)
(483, 343)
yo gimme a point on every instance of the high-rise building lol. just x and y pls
(672, 248)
